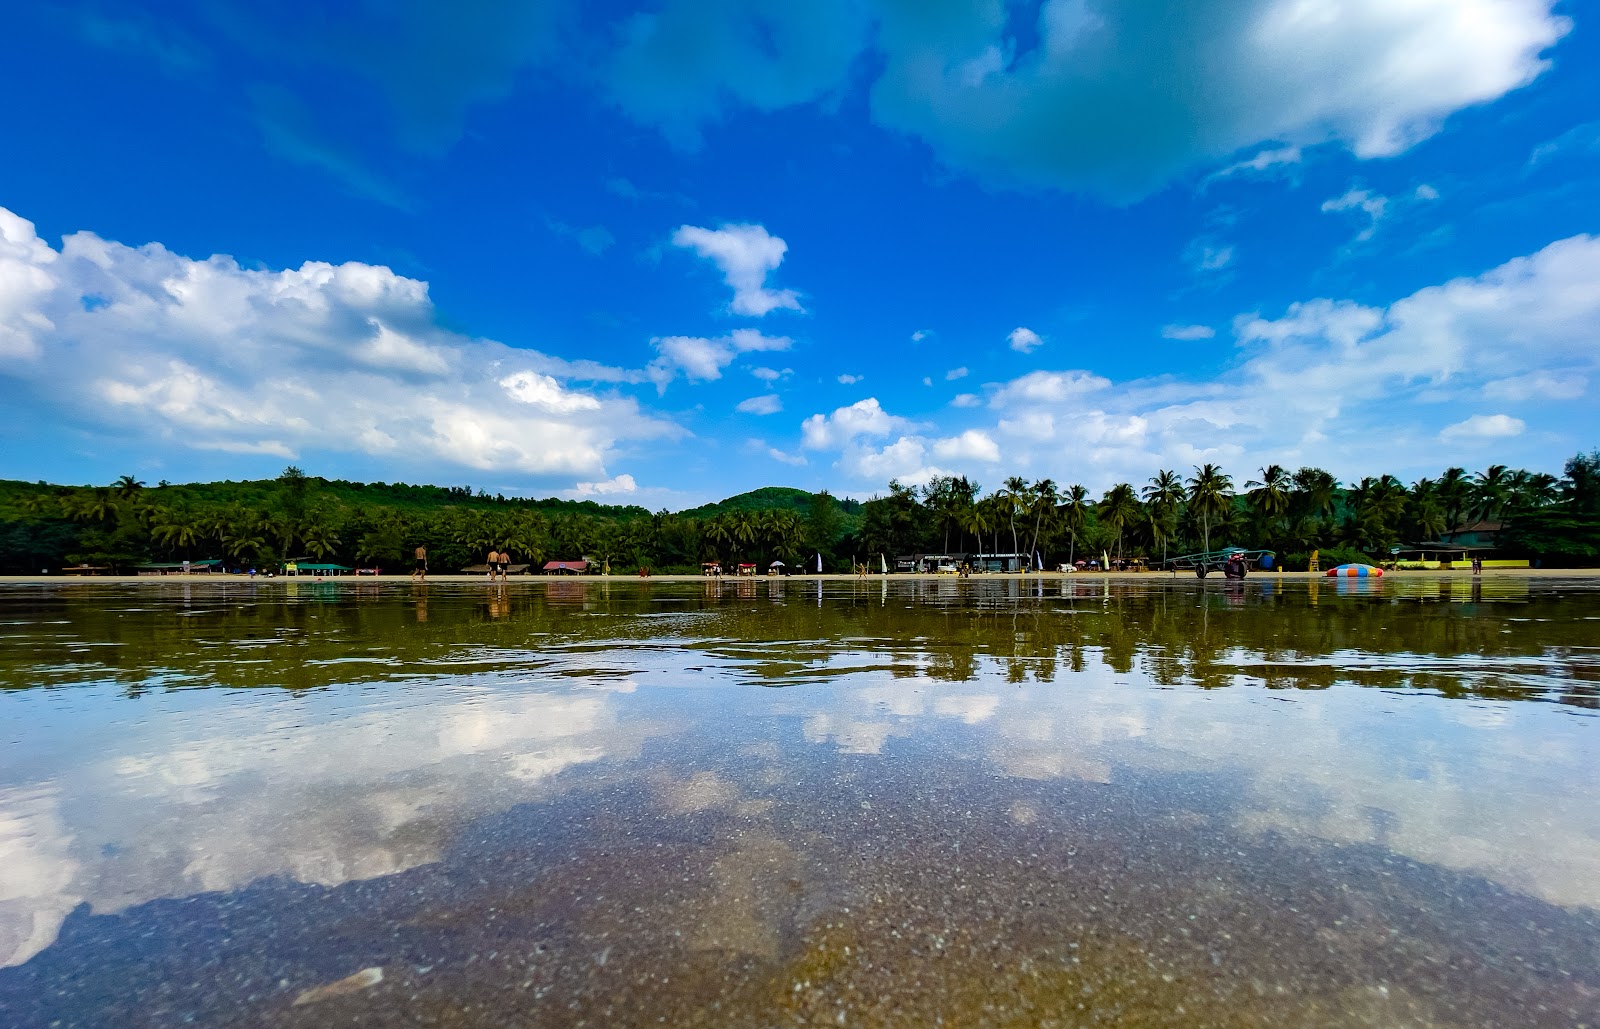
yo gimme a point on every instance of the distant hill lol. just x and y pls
(782, 498)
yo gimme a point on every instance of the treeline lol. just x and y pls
(261, 524)
(1556, 520)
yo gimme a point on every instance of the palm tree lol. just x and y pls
(1455, 492)
(1491, 490)
(1269, 496)
(1118, 509)
(975, 519)
(1164, 496)
(126, 486)
(1073, 515)
(1044, 502)
(1015, 494)
(1210, 497)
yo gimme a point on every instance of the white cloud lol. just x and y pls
(955, 373)
(771, 374)
(1188, 332)
(1263, 161)
(609, 487)
(745, 254)
(1048, 387)
(1549, 385)
(702, 359)
(1024, 340)
(920, 335)
(1482, 427)
(971, 445)
(786, 458)
(766, 403)
(1374, 75)
(847, 379)
(1342, 385)
(966, 400)
(927, 380)
(1425, 192)
(904, 459)
(180, 353)
(1372, 205)
(1208, 255)
(863, 418)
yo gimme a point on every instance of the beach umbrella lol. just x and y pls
(883, 564)
(1355, 571)
(819, 562)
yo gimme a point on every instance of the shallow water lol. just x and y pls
(962, 802)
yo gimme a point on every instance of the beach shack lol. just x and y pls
(712, 568)
(320, 568)
(180, 567)
(1000, 562)
(746, 568)
(566, 567)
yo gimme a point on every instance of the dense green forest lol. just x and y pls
(262, 523)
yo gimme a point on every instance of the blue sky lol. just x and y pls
(665, 253)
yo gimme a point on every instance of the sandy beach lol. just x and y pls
(157, 580)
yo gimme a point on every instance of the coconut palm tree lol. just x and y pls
(1491, 491)
(1269, 497)
(1164, 497)
(1014, 496)
(1455, 493)
(127, 486)
(1210, 497)
(974, 518)
(1118, 509)
(1074, 514)
(1043, 503)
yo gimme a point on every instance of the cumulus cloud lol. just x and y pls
(1103, 96)
(208, 355)
(1188, 332)
(1348, 386)
(745, 254)
(971, 445)
(771, 374)
(700, 359)
(1091, 94)
(621, 484)
(920, 335)
(1483, 427)
(846, 379)
(766, 403)
(1048, 387)
(1024, 340)
(966, 400)
(955, 373)
(862, 418)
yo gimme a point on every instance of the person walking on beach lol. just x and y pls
(504, 564)
(493, 561)
(420, 572)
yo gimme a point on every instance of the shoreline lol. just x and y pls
(215, 579)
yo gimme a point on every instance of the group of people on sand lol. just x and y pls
(498, 561)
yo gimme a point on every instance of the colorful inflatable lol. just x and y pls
(1355, 572)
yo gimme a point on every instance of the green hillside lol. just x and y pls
(769, 498)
